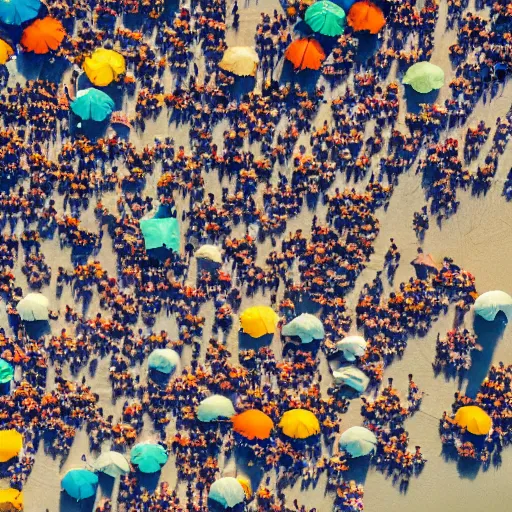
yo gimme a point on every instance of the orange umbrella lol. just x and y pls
(43, 35)
(366, 16)
(253, 424)
(305, 54)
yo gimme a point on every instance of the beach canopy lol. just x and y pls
(352, 347)
(352, 377)
(104, 66)
(16, 12)
(33, 307)
(80, 483)
(306, 53)
(424, 77)
(93, 104)
(489, 304)
(43, 35)
(240, 60)
(112, 463)
(299, 424)
(209, 252)
(227, 491)
(358, 441)
(306, 326)
(253, 424)
(6, 372)
(11, 500)
(474, 419)
(164, 360)
(6, 51)
(366, 16)
(326, 18)
(159, 233)
(258, 321)
(10, 444)
(214, 408)
(148, 457)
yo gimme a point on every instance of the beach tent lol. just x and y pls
(306, 53)
(16, 12)
(246, 485)
(424, 77)
(352, 347)
(104, 66)
(227, 491)
(358, 441)
(158, 233)
(352, 377)
(326, 18)
(6, 51)
(490, 303)
(209, 252)
(11, 500)
(366, 16)
(80, 483)
(214, 408)
(43, 35)
(474, 419)
(258, 321)
(164, 360)
(240, 60)
(148, 457)
(34, 306)
(299, 424)
(11, 443)
(6, 372)
(253, 424)
(112, 463)
(93, 104)
(306, 326)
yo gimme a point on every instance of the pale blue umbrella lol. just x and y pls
(352, 377)
(307, 327)
(352, 347)
(358, 441)
(164, 360)
(148, 457)
(80, 483)
(112, 463)
(215, 407)
(227, 491)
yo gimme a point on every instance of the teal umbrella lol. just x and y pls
(80, 483)
(149, 457)
(214, 408)
(326, 18)
(424, 77)
(161, 232)
(307, 327)
(358, 441)
(6, 372)
(93, 104)
(16, 12)
(227, 491)
(164, 360)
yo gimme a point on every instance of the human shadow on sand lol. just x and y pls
(367, 46)
(358, 469)
(69, 504)
(307, 79)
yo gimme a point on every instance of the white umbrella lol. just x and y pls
(490, 303)
(112, 463)
(352, 377)
(209, 252)
(33, 307)
(352, 347)
(306, 326)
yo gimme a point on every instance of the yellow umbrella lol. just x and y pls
(299, 424)
(258, 321)
(246, 484)
(474, 420)
(240, 60)
(6, 51)
(11, 500)
(10, 444)
(104, 66)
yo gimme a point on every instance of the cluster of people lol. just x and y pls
(453, 351)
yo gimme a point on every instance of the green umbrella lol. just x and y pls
(80, 483)
(306, 326)
(424, 77)
(227, 491)
(215, 407)
(6, 372)
(326, 18)
(164, 360)
(93, 104)
(149, 457)
(161, 232)
(358, 441)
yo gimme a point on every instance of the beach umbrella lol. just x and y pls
(215, 407)
(358, 441)
(299, 424)
(352, 347)
(164, 360)
(474, 419)
(80, 483)
(227, 491)
(246, 485)
(306, 53)
(43, 35)
(240, 60)
(148, 457)
(424, 77)
(6, 51)
(258, 321)
(352, 377)
(11, 500)
(92, 104)
(306, 326)
(34, 306)
(10, 444)
(253, 424)
(161, 233)
(366, 16)
(16, 12)
(490, 303)
(345, 4)
(326, 18)
(112, 463)
(6, 372)
(209, 252)
(104, 66)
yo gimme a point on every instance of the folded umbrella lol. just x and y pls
(104, 66)
(352, 347)
(474, 419)
(366, 16)
(33, 307)
(164, 360)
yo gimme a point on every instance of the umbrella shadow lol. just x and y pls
(159, 378)
(148, 481)
(368, 44)
(247, 342)
(53, 71)
(80, 254)
(291, 347)
(37, 329)
(106, 484)
(254, 472)
(29, 65)
(207, 265)
(241, 86)
(69, 504)
(307, 79)
(122, 131)
(358, 469)
(215, 506)
(414, 99)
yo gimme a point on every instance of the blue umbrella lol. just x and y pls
(164, 360)
(93, 104)
(80, 483)
(16, 12)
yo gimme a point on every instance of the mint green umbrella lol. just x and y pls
(6, 372)
(161, 233)
(80, 483)
(326, 18)
(148, 457)
(358, 441)
(164, 360)
(214, 408)
(424, 77)
(227, 491)
(93, 104)
(306, 326)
